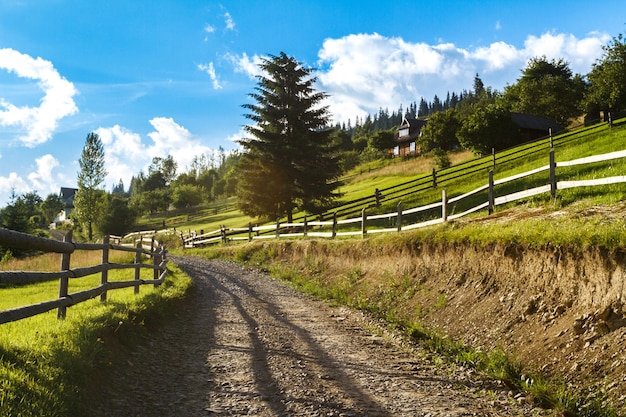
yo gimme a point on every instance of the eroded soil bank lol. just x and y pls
(561, 312)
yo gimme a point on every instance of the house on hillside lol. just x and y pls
(530, 127)
(534, 127)
(407, 135)
(67, 197)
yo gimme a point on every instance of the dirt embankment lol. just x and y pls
(560, 312)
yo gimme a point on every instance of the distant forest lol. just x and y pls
(383, 120)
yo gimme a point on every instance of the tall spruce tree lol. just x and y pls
(90, 197)
(289, 162)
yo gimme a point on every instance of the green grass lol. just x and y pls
(45, 363)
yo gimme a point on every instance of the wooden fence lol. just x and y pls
(17, 240)
(467, 168)
(359, 225)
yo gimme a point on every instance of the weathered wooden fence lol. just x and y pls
(359, 225)
(17, 240)
(438, 178)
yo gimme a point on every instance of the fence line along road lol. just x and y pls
(330, 229)
(16, 240)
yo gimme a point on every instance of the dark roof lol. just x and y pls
(67, 196)
(528, 121)
(415, 127)
(413, 123)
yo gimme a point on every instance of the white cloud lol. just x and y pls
(498, 56)
(210, 70)
(364, 72)
(40, 122)
(126, 153)
(246, 65)
(13, 182)
(42, 179)
(209, 29)
(580, 53)
(230, 23)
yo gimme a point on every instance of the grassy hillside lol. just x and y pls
(467, 173)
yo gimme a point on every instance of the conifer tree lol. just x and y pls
(288, 161)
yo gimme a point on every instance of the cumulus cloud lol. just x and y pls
(38, 123)
(246, 65)
(210, 70)
(13, 182)
(364, 72)
(42, 179)
(126, 153)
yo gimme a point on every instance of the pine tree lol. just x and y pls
(288, 162)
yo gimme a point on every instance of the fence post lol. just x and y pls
(493, 155)
(490, 196)
(363, 221)
(334, 232)
(552, 174)
(223, 233)
(550, 131)
(305, 231)
(434, 178)
(399, 219)
(137, 268)
(277, 228)
(156, 261)
(249, 231)
(104, 278)
(64, 281)
(610, 120)
(444, 205)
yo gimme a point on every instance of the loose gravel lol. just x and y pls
(246, 344)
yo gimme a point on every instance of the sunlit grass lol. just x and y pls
(45, 363)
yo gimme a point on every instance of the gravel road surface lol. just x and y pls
(246, 344)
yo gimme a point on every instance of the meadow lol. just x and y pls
(45, 363)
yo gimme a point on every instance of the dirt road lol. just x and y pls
(249, 345)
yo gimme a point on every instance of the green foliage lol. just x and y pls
(608, 77)
(383, 140)
(118, 217)
(16, 215)
(166, 166)
(440, 132)
(152, 201)
(547, 89)
(441, 158)
(489, 127)
(90, 200)
(50, 207)
(186, 195)
(155, 181)
(288, 161)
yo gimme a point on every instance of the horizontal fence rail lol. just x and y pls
(480, 164)
(359, 225)
(16, 240)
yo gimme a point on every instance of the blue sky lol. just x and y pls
(157, 77)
